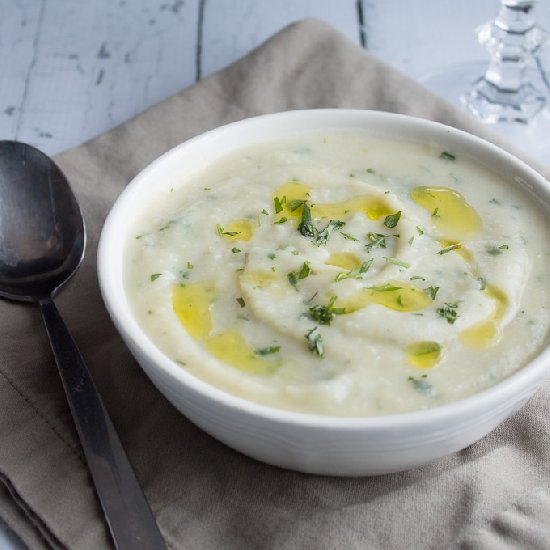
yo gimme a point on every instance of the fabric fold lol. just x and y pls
(203, 494)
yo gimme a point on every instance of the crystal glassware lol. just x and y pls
(512, 90)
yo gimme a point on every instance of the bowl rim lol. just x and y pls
(521, 383)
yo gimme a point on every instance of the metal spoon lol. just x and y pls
(42, 241)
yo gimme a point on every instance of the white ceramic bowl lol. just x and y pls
(306, 442)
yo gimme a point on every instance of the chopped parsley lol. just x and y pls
(421, 384)
(435, 213)
(448, 311)
(354, 273)
(385, 288)
(432, 291)
(305, 271)
(419, 230)
(494, 201)
(417, 277)
(482, 283)
(323, 235)
(315, 342)
(395, 261)
(295, 204)
(371, 171)
(221, 231)
(306, 227)
(294, 276)
(190, 265)
(324, 314)
(448, 249)
(155, 276)
(241, 301)
(445, 155)
(271, 255)
(425, 348)
(496, 250)
(265, 212)
(348, 236)
(282, 220)
(279, 204)
(268, 351)
(235, 250)
(391, 221)
(376, 240)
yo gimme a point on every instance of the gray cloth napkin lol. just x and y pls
(203, 494)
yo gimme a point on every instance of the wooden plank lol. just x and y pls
(232, 28)
(105, 63)
(422, 36)
(19, 25)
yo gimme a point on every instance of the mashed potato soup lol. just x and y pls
(343, 274)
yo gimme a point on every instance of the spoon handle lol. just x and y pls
(129, 517)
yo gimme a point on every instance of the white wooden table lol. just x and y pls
(72, 69)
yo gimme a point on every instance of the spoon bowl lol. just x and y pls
(42, 242)
(41, 250)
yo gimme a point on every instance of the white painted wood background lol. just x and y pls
(72, 69)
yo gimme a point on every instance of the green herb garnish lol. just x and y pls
(385, 288)
(271, 255)
(421, 384)
(155, 276)
(432, 291)
(391, 221)
(419, 230)
(448, 249)
(293, 278)
(279, 204)
(482, 283)
(241, 301)
(268, 351)
(417, 277)
(235, 250)
(354, 273)
(315, 342)
(348, 236)
(305, 271)
(395, 261)
(295, 204)
(448, 311)
(376, 240)
(447, 156)
(324, 314)
(282, 220)
(306, 227)
(323, 235)
(495, 251)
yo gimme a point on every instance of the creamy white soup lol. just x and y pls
(343, 274)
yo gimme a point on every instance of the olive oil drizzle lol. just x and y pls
(192, 305)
